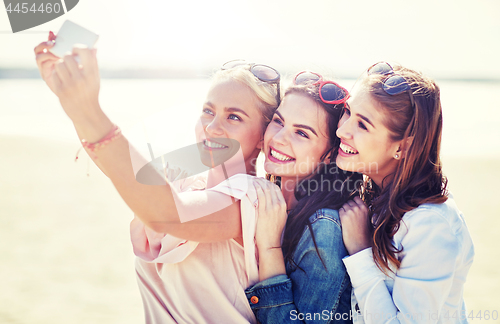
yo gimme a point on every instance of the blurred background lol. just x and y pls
(64, 243)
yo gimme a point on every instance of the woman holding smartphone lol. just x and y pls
(194, 247)
(181, 230)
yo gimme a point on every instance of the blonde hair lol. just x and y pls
(264, 91)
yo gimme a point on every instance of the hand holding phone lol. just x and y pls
(71, 34)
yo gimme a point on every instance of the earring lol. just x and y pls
(396, 156)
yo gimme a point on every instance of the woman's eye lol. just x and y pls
(208, 111)
(347, 112)
(362, 126)
(278, 121)
(303, 134)
(234, 117)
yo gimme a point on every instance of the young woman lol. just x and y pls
(410, 249)
(188, 281)
(305, 281)
(195, 248)
(181, 279)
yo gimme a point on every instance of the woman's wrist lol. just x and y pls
(271, 262)
(269, 246)
(93, 127)
(353, 249)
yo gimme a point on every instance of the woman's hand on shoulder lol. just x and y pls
(356, 226)
(75, 84)
(272, 214)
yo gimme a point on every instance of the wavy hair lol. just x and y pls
(327, 187)
(418, 177)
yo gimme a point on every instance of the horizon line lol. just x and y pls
(172, 73)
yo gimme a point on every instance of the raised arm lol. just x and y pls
(77, 87)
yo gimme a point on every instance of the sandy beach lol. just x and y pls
(67, 257)
(65, 247)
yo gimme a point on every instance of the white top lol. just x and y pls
(428, 286)
(189, 282)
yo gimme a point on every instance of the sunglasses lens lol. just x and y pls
(380, 68)
(306, 77)
(233, 64)
(396, 84)
(265, 73)
(332, 93)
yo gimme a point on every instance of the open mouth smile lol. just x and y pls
(347, 149)
(213, 145)
(279, 157)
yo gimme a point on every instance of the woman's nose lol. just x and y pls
(214, 128)
(343, 128)
(281, 137)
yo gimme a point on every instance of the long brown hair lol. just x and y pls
(327, 187)
(418, 178)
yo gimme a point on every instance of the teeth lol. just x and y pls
(347, 149)
(213, 144)
(280, 156)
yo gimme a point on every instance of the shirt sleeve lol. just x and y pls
(165, 248)
(157, 247)
(423, 281)
(311, 292)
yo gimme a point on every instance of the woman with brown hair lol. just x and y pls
(410, 249)
(302, 276)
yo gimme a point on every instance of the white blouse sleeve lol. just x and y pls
(422, 284)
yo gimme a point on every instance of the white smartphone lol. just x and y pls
(71, 34)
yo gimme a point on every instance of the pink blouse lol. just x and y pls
(183, 281)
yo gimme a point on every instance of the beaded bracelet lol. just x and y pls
(113, 134)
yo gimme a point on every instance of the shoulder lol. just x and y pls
(184, 180)
(327, 241)
(237, 186)
(445, 215)
(325, 225)
(439, 226)
(325, 216)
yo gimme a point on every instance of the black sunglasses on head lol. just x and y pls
(260, 71)
(394, 84)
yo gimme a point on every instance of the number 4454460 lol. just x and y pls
(42, 8)
(473, 315)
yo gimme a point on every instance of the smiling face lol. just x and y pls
(230, 115)
(296, 138)
(366, 145)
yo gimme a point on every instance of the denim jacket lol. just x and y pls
(314, 294)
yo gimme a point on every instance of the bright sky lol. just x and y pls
(442, 38)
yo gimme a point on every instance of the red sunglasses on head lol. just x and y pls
(329, 91)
